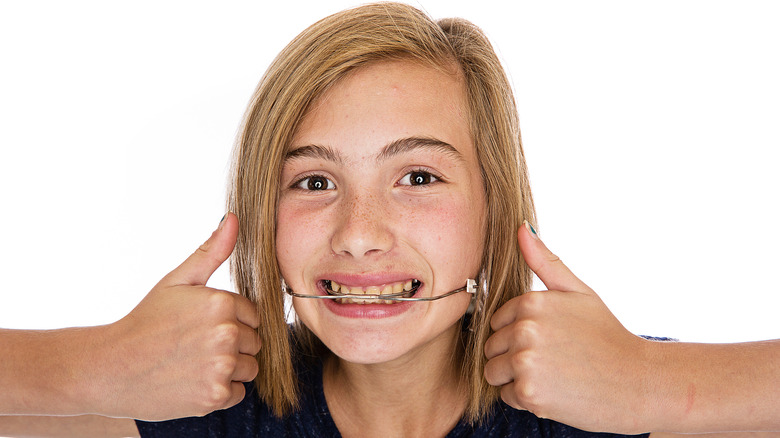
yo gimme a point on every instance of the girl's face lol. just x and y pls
(382, 189)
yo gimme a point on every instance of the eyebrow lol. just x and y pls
(315, 151)
(411, 143)
(396, 147)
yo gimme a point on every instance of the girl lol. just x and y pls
(380, 154)
(379, 180)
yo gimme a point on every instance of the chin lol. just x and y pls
(368, 346)
(371, 346)
(366, 356)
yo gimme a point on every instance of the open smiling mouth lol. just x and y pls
(372, 294)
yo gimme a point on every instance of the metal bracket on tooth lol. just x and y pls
(470, 287)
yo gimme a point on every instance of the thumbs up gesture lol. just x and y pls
(186, 348)
(562, 354)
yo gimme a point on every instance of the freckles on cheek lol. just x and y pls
(443, 224)
(294, 232)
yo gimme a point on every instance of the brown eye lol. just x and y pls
(418, 178)
(315, 183)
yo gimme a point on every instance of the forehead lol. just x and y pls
(384, 101)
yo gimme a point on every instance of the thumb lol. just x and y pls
(199, 266)
(546, 265)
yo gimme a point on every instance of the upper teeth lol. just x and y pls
(387, 289)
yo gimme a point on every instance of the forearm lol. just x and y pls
(715, 387)
(48, 372)
(82, 426)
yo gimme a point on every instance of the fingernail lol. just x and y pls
(222, 222)
(531, 229)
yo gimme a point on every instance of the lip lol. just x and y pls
(367, 311)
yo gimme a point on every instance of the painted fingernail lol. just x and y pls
(222, 222)
(531, 229)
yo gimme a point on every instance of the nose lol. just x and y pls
(363, 227)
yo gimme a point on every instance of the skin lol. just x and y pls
(372, 226)
(183, 351)
(559, 353)
(556, 351)
(548, 389)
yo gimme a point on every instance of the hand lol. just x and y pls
(186, 348)
(562, 354)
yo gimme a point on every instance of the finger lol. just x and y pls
(499, 371)
(525, 309)
(508, 313)
(248, 341)
(246, 312)
(246, 369)
(500, 341)
(546, 265)
(198, 267)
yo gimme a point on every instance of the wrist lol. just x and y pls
(83, 379)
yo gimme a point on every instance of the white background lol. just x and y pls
(650, 129)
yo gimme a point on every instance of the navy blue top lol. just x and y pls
(253, 418)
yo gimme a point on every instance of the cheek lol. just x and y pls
(448, 232)
(296, 234)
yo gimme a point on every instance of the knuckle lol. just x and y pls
(525, 332)
(217, 397)
(221, 303)
(525, 391)
(524, 364)
(527, 394)
(532, 302)
(204, 248)
(550, 257)
(227, 334)
(224, 366)
(526, 388)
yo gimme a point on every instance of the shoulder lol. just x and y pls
(506, 421)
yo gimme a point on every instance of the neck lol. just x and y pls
(420, 394)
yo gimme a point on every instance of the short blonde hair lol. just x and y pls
(315, 60)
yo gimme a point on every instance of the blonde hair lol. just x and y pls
(316, 59)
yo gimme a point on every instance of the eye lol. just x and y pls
(418, 178)
(315, 183)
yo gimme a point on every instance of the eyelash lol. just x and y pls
(432, 178)
(299, 184)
